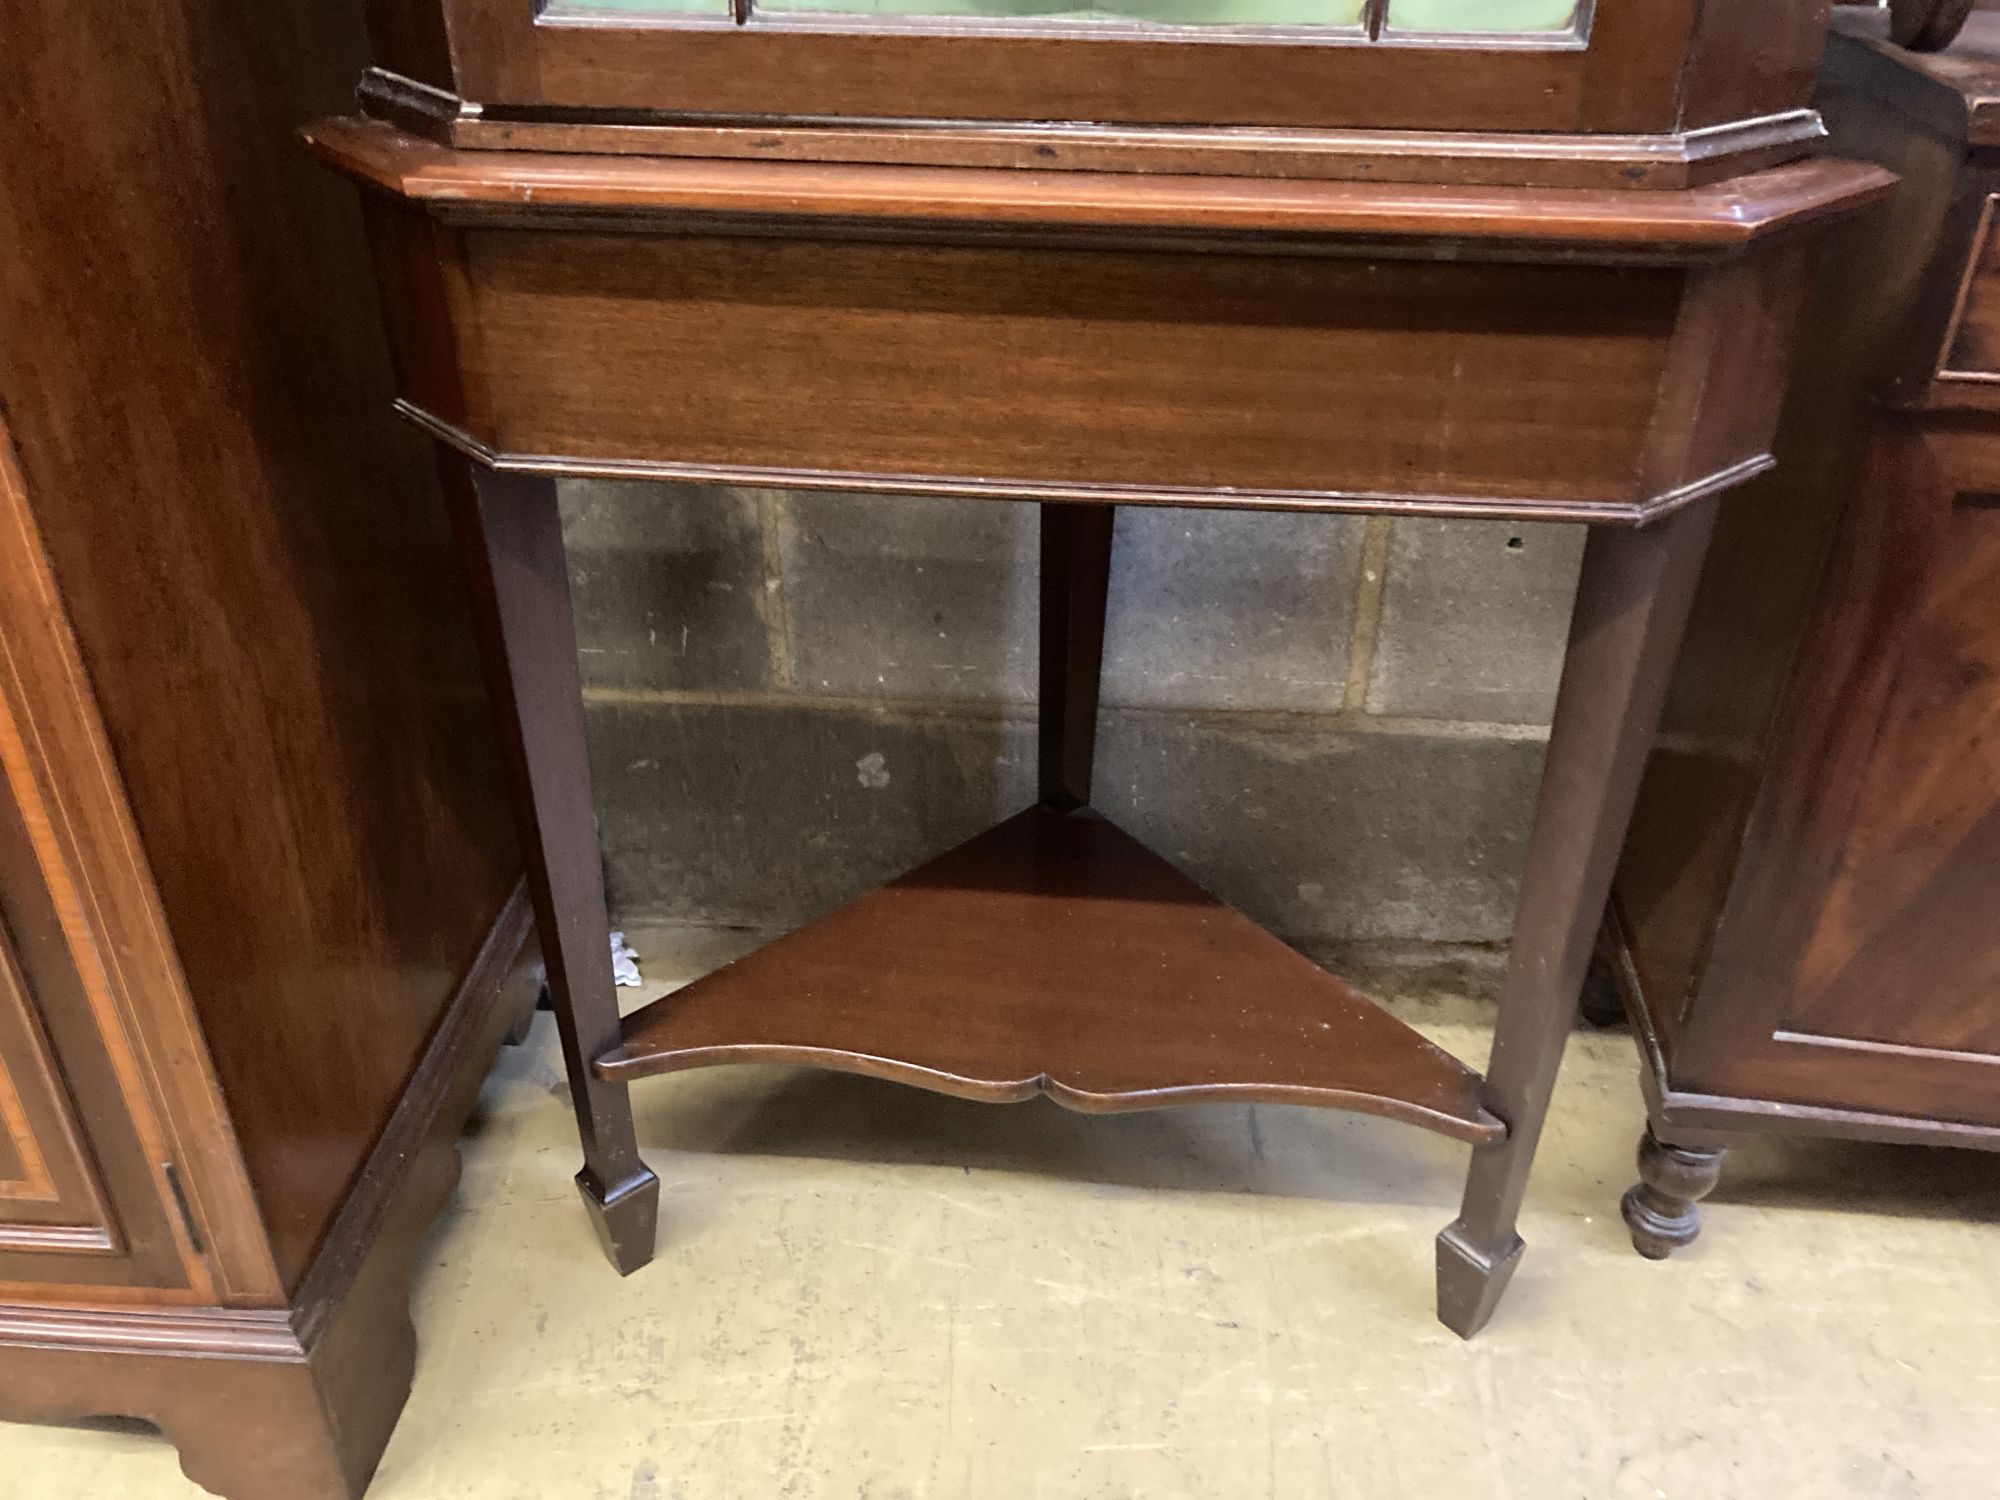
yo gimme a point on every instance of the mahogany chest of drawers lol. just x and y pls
(1804, 915)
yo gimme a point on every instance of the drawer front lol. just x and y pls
(1069, 366)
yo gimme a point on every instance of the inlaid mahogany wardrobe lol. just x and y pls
(1536, 259)
(261, 920)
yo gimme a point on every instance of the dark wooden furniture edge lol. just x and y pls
(1686, 1118)
(1716, 219)
(1927, 25)
(1954, 96)
(339, 1359)
(1680, 160)
(430, 1112)
(625, 1065)
(1609, 512)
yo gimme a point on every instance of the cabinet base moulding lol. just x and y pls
(293, 1402)
(1694, 1118)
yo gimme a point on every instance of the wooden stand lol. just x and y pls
(1055, 954)
(1605, 356)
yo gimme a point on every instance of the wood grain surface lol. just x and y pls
(1852, 953)
(1247, 375)
(1056, 955)
(1667, 162)
(253, 556)
(1719, 217)
(1803, 903)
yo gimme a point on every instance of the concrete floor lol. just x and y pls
(865, 1291)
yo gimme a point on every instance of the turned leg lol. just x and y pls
(1663, 1208)
(1076, 572)
(1631, 606)
(510, 537)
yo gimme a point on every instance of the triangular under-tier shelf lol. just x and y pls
(1056, 954)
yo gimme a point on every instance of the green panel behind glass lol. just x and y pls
(1481, 15)
(1169, 12)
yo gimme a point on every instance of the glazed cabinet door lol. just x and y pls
(1863, 970)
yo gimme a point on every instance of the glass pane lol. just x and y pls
(1167, 12)
(639, 7)
(1481, 15)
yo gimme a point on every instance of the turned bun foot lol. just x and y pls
(1601, 1004)
(1662, 1209)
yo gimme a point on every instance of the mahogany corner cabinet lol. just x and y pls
(1537, 259)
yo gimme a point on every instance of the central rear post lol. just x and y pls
(1076, 582)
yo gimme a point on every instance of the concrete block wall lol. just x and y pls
(1335, 724)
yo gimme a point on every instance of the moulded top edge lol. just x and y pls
(1719, 217)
